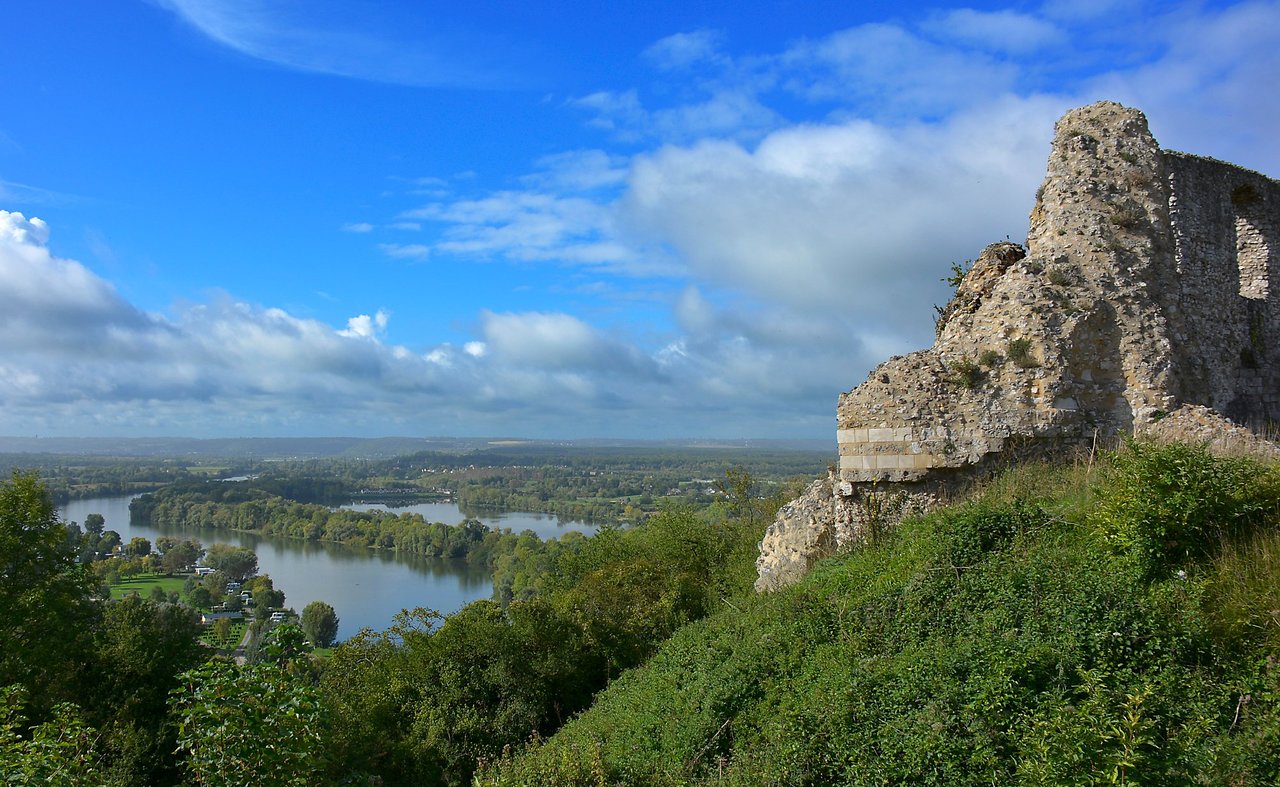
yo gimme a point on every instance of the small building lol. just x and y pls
(207, 618)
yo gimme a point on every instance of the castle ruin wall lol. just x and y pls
(1148, 281)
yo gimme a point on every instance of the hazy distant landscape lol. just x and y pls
(355, 447)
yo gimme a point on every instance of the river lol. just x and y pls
(545, 525)
(367, 588)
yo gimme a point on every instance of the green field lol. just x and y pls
(143, 583)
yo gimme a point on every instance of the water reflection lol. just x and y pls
(545, 525)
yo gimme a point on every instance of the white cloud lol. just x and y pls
(996, 31)
(553, 341)
(1202, 92)
(366, 327)
(734, 112)
(792, 255)
(530, 226)
(357, 227)
(888, 71)
(405, 251)
(579, 171)
(852, 216)
(16, 228)
(682, 50)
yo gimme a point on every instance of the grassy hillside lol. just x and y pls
(1109, 624)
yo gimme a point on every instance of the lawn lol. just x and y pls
(143, 583)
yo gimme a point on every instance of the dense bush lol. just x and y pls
(1167, 505)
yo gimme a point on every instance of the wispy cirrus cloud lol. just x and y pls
(405, 251)
(328, 38)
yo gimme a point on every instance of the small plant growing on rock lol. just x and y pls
(1126, 216)
(878, 510)
(958, 272)
(1019, 351)
(1137, 179)
(989, 358)
(965, 373)
(1059, 277)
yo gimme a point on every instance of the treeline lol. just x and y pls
(511, 557)
(558, 496)
(74, 477)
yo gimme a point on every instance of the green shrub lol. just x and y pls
(1127, 216)
(965, 373)
(1059, 277)
(1019, 351)
(1167, 505)
(989, 358)
(1243, 594)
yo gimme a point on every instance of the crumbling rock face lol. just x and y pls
(803, 533)
(1193, 423)
(1145, 284)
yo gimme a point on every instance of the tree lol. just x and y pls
(108, 542)
(265, 600)
(320, 621)
(60, 751)
(238, 563)
(200, 597)
(181, 555)
(256, 724)
(140, 648)
(138, 547)
(94, 523)
(46, 607)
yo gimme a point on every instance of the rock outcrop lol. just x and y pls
(1146, 283)
(802, 534)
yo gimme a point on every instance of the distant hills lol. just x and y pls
(361, 447)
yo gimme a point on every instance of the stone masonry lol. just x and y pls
(1149, 280)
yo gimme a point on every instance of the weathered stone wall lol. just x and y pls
(1148, 281)
(1226, 232)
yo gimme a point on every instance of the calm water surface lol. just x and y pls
(545, 525)
(366, 587)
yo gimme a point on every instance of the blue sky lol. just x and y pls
(657, 219)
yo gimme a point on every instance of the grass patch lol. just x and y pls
(143, 583)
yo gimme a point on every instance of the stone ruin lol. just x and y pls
(1149, 282)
